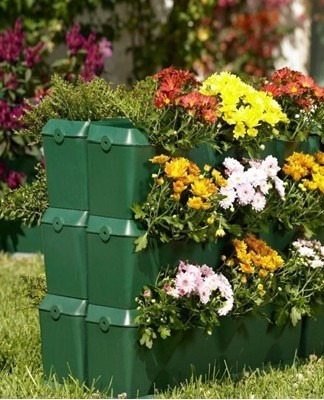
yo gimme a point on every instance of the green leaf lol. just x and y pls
(137, 209)
(28, 74)
(141, 243)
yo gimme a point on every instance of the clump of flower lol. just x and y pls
(302, 99)
(252, 271)
(183, 203)
(21, 67)
(308, 169)
(189, 296)
(247, 115)
(302, 281)
(181, 116)
(251, 185)
(10, 178)
(86, 56)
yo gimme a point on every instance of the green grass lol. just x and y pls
(21, 373)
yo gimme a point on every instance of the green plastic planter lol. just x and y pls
(65, 252)
(282, 149)
(204, 154)
(63, 336)
(279, 240)
(312, 341)
(66, 161)
(131, 368)
(116, 272)
(119, 167)
(251, 341)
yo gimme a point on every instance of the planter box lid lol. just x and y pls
(106, 316)
(113, 226)
(116, 132)
(61, 128)
(60, 305)
(59, 217)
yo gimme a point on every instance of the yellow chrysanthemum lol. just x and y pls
(219, 179)
(195, 202)
(179, 186)
(320, 157)
(246, 268)
(177, 168)
(161, 159)
(193, 169)
(203, 188)
(241, 105)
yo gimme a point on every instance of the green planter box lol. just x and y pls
(117, 274)
(282, 149)
(66, 161)
(65, 252)
(63, 336)
(15, 238)
(119, 167)
(312, 341)
(131, 368)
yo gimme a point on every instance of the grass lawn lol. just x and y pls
(21, 374)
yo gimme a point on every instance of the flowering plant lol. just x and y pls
(301, 281)
(301, 99)
(179, 112)
(170, 109)
(189, 296)
(183, 203)
(303, 206)
(245, 115)
(10, 178)
(21, 67)
(251, 187)
(252, 268)
(258, 193)
(85, 56)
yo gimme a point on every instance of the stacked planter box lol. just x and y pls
(63, 311)
(95, 172)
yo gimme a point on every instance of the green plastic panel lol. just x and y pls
(117, 273)
(63, 337)
(312, 339)
(282, 149)
(66, 159)
(119, 168)
(65, 252)
(136, 370)
(60, 129)
(115, 316)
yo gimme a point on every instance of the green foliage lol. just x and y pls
(26, 203)
(33, 288)
(94, 100)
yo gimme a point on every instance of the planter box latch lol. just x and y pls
(105, 143)
(55, 312)
(105, 233)
(104, 323)
(58, 136)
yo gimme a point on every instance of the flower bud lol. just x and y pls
(220, 232)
